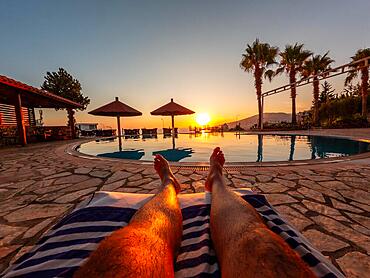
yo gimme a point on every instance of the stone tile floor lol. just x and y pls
(328, 203)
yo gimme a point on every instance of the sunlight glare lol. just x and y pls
(203, 118)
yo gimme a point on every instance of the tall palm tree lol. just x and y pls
(315, 65)
(292, 60)
(361, 67)
(257, 59)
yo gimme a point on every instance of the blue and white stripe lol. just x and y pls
(68, 244)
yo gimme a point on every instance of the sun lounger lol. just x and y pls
(132, 132)
(68, 244)
(168, 131)
(149, 132)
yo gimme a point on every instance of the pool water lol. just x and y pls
(236, 147)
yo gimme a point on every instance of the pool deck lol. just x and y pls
(329, 203)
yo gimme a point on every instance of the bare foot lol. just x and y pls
(216, 161)
(163, 170)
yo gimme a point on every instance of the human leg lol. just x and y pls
(245, 247)
(146, 247)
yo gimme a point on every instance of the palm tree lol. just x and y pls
(316, 65)
(258, 58)
(292, 60)
(361, 67)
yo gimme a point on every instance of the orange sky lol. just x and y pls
(224, 107)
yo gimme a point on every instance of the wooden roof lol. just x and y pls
(31, 97)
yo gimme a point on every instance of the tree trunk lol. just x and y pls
(258, 85)
(316, 92)
(71, 122)
(364, 88)
(259, 112)
(293, 95)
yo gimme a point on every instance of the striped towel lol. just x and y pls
(68, 244)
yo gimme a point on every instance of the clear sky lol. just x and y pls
(146, 52)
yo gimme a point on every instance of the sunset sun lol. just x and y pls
(202, 119)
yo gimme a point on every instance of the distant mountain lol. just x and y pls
(267, 117)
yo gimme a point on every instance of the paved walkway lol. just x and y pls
(328, 203)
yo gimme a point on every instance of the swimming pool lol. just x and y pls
(237, 148)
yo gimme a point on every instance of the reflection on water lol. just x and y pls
(237, 147)
(259, 147)
(292, 147)
(322, 147)
(125, 154)
(175, 154)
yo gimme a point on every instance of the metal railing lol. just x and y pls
(321, 76)
(324, 75)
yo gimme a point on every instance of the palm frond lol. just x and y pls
(279, 70)
(293, 57)
(360, 54)
(258, 55)
(316, 64)
(350, 76)
(269, 74)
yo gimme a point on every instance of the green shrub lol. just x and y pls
(342, 111)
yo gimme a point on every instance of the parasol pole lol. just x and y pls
(119, 133)
(173, 130)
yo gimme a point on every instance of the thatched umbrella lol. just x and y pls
(116, 109)
(172, 109)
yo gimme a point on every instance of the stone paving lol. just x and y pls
(328, 203)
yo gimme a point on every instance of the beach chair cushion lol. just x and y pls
(68, 244)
